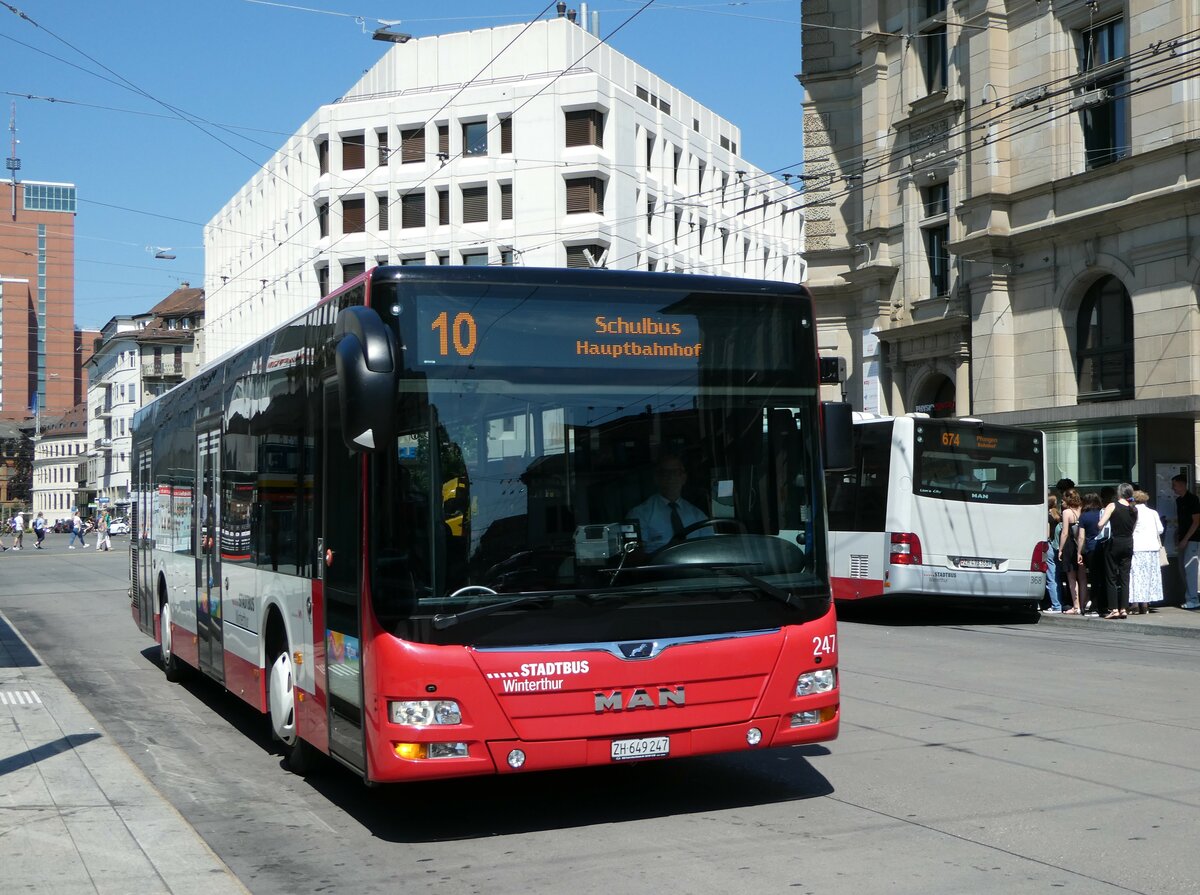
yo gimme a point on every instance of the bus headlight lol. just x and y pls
(821, 681)
(424, 712)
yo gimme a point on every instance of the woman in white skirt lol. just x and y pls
(1145, 573)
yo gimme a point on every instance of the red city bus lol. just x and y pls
(419, 526)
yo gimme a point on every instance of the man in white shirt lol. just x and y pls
(665, 516)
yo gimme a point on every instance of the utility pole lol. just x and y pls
(12, 163)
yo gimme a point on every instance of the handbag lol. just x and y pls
(1162, 556)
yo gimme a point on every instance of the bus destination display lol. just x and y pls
(519, 332)
(973, 440)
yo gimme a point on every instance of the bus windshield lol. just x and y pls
(659, 461)
(983, 464)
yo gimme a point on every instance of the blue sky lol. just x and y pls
(254, 70)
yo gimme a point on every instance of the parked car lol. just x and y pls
(118, 527)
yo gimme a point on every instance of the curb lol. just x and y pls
(1130, 625)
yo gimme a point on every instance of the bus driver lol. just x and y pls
(664, 516)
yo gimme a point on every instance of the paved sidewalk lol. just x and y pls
(76, 815)
(1170, 620)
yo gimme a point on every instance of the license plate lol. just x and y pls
(646, 747)
(976, 564)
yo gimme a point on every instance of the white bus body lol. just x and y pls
(939, 507)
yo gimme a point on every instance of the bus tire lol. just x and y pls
(172, 667)
(281, 704)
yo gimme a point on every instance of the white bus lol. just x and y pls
(939, 508)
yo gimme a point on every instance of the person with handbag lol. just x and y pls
(1149, 556)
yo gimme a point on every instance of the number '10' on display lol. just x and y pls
(462, 332)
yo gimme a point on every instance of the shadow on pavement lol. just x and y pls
(941, 612)
(13, 651)
(47, 750)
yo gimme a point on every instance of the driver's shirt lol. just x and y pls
(653, 517)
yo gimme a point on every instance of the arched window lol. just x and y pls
(1105, 342)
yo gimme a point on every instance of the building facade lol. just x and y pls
(39, 366)
(561, 152)
(136, 358)
(59, 450)
(1002, 204)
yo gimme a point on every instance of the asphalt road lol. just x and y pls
(978, 754)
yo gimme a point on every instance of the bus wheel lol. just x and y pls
(281, 699)
(172, 667)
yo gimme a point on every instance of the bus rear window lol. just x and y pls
(978, 463)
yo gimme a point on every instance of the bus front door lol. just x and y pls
(341, 532)
(207, 528)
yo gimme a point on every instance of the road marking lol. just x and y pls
(19, 697)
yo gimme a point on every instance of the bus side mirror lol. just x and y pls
(366, 366)
(837, 434)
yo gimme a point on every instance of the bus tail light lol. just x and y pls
(1038, 563)
(906, 549)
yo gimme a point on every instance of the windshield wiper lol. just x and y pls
(731, 569)
(441, 621)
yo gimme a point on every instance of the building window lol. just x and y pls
(412, 209)
(506, 211)
(936, 254)
(474, 259)
(323, 280)
(475, 204)
(1103, 103)
(382, 205)
(48, 197)
(443, 142)
(351, 269)
(416, 261)
(651, 203)
(443, 195)
(934, 57)
(678, 157)
(585, 195)
(474, 136)
(323, 156)
(506, 257)
(353, 152)
(585, 127)
(354, 215)
(323, 219)
(936, 199)
(381, 140)
(1105, 340)
(586, 255)
(412, 146)
(649, 151)
(506, 136)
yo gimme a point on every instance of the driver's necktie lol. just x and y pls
(676, 519)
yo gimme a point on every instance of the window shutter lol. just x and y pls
(443, 207)
(412, 209)
(585, 195)
(384, 149)
(352, 152)
(506, 201)
(584, 127)
(353, 215)
(383, 213)
(576, 256)
(505, 135)
(412, 146)
(444, 139)
(475, 201)
(353, 269)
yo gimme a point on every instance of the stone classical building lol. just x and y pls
(1002, 218)
(59, 451)
(558, 152)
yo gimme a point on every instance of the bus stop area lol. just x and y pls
(76, 815)
(1170, 620)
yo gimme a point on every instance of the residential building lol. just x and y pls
(59, 450)
(40, 366)
(136, 358)
(1001, 219)
(523, 144)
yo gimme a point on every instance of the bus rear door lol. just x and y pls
(210, 640)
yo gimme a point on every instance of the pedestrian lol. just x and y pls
(1095, 547)
(18, 529)
(102, 524)
(76, 530)
(1070, 552)
(1187, 539)
(1053, 518)
(1145, 571)
(1123, 518)
(39, 529)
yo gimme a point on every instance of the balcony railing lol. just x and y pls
(168, 369)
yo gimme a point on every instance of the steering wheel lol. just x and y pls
(727, 522)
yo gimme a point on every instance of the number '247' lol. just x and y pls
(825, 646)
